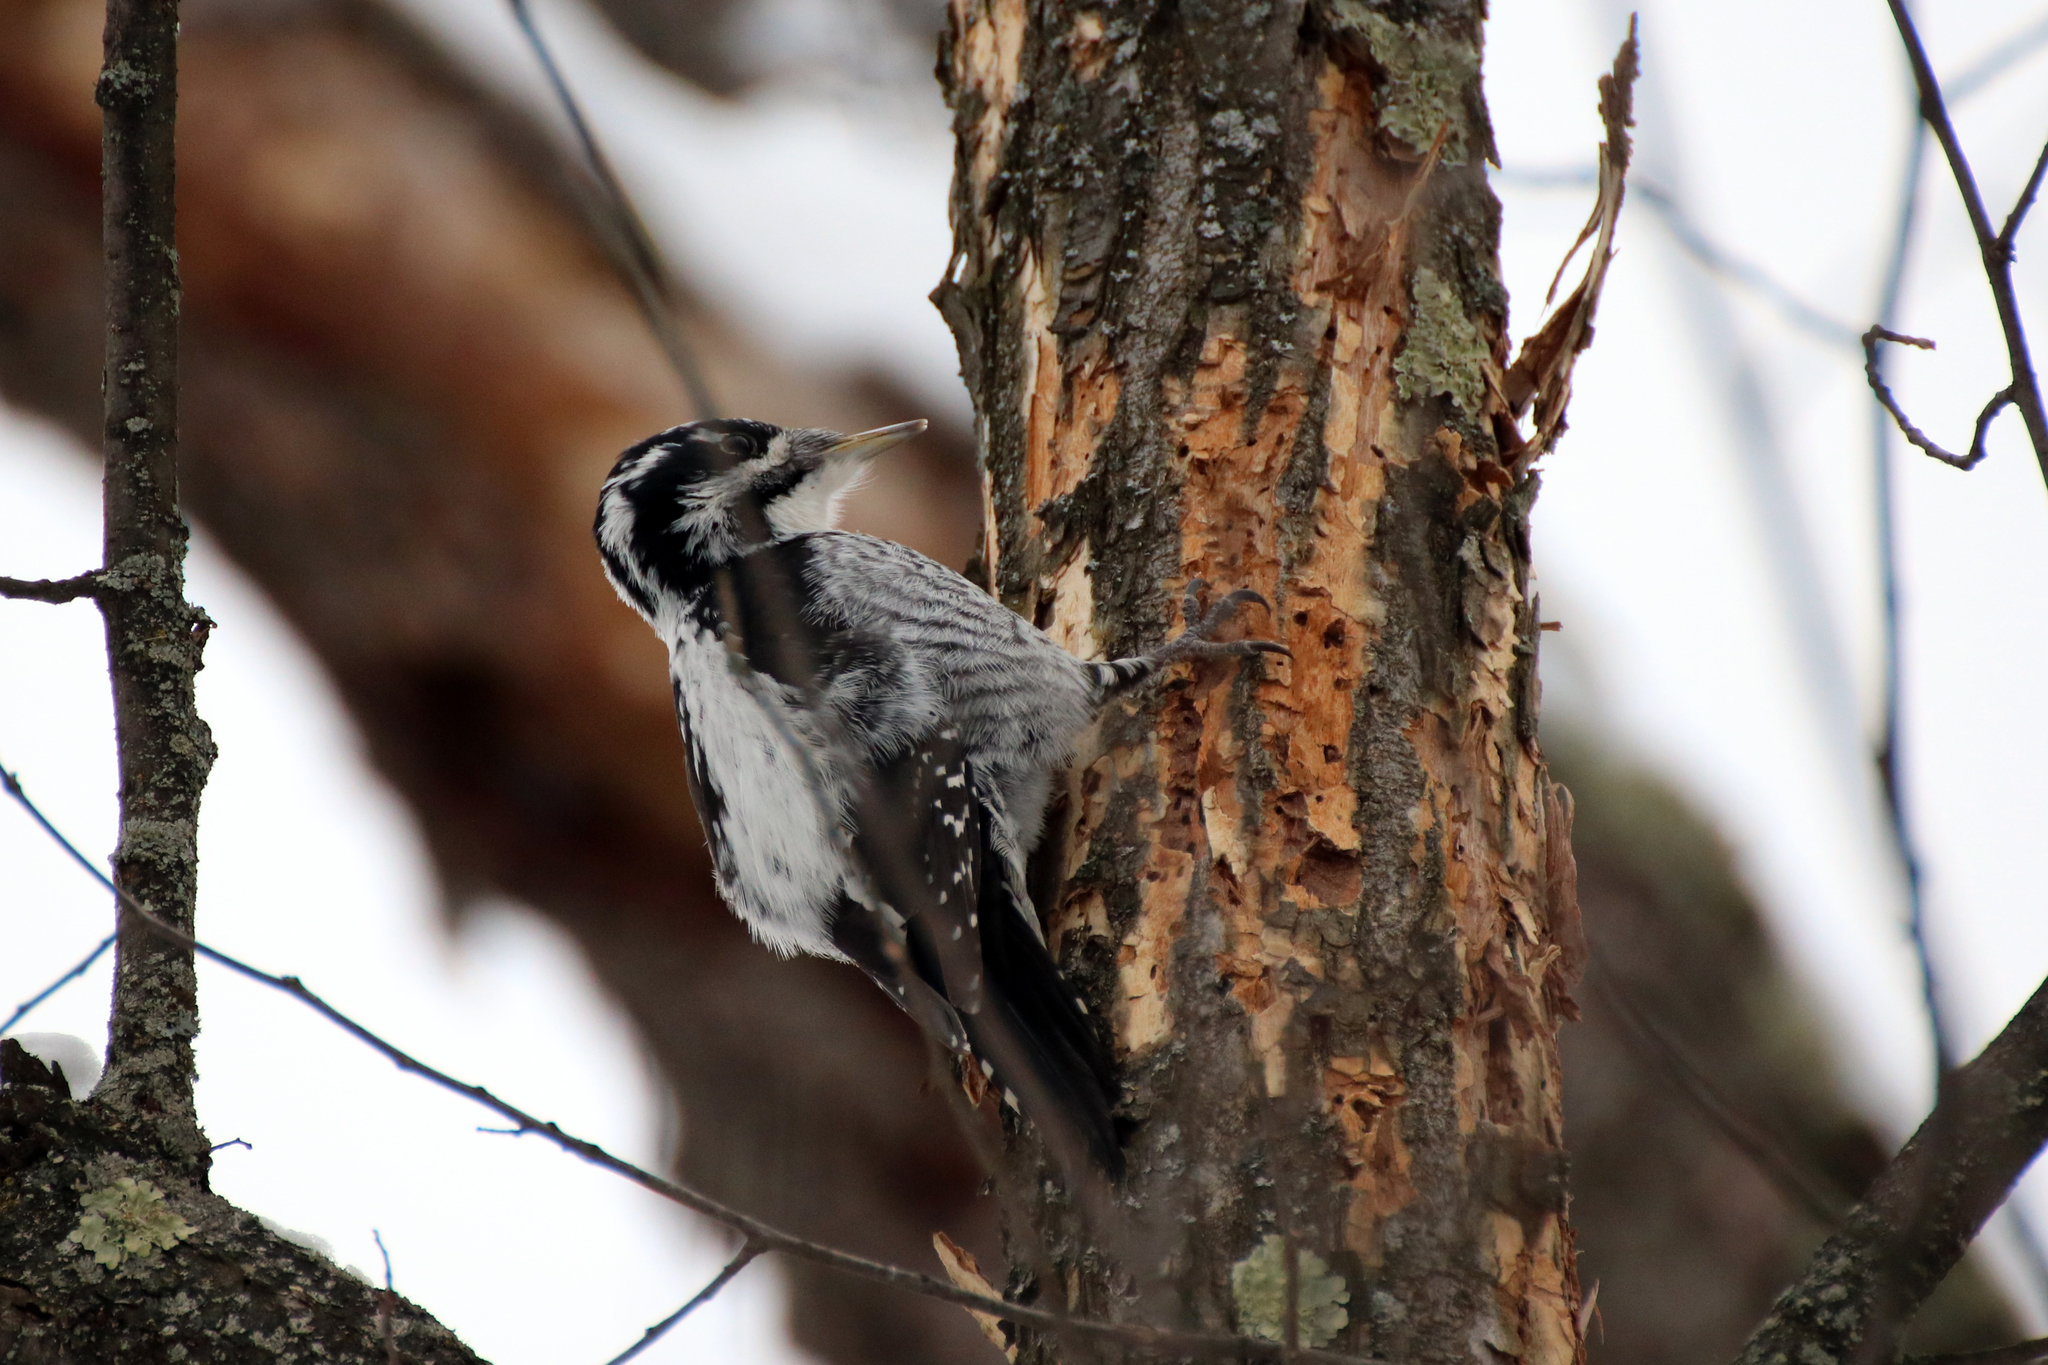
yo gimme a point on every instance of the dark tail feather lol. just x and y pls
(1032, 1030)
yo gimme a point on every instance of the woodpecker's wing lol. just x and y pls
(916, 847)
(959, 930)
(1015, 693)
(1033, 1028)
(940, 919)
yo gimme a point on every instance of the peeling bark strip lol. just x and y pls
(154, 637)
(1227, 298)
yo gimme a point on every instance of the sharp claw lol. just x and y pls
(1244, 595)
(1270, 647)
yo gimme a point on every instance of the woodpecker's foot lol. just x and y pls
(1195, 641)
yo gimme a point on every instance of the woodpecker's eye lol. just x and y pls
(739, 445)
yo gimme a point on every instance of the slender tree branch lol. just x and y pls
(2025, 202)
(1891, 722)
(1156, 1340)
(52, 589)
(21, 1010)
(1872, 1275)
(387, 1303)
(1920, 439)
(745, 1257)
(2019, 1353)
(621, 228)
(1795, 1183)
(2004, 54)
(155, 638)
(2024, 392)
(1888, 752)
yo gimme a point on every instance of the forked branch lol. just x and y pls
(1995, 247)
(1920, 439)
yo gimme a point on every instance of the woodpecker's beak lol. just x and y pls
(865, 445)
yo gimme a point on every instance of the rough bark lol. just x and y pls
(1219, 320)
(154, 637)
(214, 1287)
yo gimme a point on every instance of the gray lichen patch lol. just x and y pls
(127, 1221)
(1258, 1286)
(1443, 352)
(1427, 73)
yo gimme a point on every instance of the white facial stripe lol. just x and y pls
(815, 504)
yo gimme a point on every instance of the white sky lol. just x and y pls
(1780, 127)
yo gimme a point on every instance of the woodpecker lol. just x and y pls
(871, 740)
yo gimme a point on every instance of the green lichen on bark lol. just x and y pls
(1427, 74)
(127, 1221)
(1258, 1285)
(104, 1257)
(1443, 352)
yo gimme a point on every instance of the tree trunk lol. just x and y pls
(1224, 315)
(154, 637)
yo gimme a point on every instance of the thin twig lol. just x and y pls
(2019, 1353)
(46, 992)
(747, 1252)
(2001, 400)
(2025, 202)
(52, 589)
(633, 251)
(1793, 1180)
(1695, 242)
(1158, 1340)
(387, 1304)
(1888, 756)
(2024, 391)
(2003, 56)
(1718, 260)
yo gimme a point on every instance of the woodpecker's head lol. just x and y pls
(700, 495)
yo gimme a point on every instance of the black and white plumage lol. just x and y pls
(871, 740)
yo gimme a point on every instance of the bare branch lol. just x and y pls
(747, 1252)
(2024, 391)
(1920, 439)
(387, 1302)
(1795, 1182)
(1921, 1214)
(1158, 1340)
(2025, 202)
(21, 1010)
(155, 638)
(52, 589)
(619, 226)
(2019, 1353)
(1711, 256)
